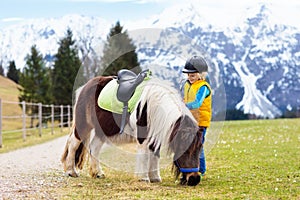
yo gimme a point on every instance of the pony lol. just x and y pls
(160, 118)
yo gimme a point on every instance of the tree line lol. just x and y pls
(39, 83)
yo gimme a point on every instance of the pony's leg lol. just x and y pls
(154, 172)
(72, 145)
(95, 147)
(142, 163)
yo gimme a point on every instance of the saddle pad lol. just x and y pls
(107, 99)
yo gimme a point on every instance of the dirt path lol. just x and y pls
(25, 172)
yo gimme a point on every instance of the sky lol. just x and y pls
(12, 11)
(16, 10)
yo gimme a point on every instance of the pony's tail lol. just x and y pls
(64, 156)
(80, 156)
(66, 149)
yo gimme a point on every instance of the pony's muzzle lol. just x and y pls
(193, 179)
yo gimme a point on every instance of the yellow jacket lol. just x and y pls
(203, 113)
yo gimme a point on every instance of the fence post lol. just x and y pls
(40, 119)
(69, 117)
(0, 123)
(61, 117)
(24, 119)
(52, 118)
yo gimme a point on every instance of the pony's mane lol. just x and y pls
(165, 107)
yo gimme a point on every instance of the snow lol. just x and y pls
(15, 43)
(253, 101)
(269, 88)
(221, 57)
(18, 39)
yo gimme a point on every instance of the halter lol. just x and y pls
(186, 170)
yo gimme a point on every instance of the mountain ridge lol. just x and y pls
(257, 59)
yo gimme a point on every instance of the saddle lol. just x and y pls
(128, 82)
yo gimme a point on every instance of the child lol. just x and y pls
(197, 96)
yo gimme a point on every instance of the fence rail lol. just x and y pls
(55, 115)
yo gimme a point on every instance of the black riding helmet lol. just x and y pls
(195, 64)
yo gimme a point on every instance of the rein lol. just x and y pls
(186, 170)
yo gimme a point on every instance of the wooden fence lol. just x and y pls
(53, 115)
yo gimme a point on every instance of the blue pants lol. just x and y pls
(202, 169)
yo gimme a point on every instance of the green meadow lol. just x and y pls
(253, 159)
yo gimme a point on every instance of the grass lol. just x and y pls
(14, 140)
(255, 159)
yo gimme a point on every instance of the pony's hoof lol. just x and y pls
(155, 180)
(147, 180)
(97, 175)
(100, 176)
(71, 174)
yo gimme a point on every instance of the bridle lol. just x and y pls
(186, 170)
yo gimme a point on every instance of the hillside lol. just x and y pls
(8, 89)
(9, 93)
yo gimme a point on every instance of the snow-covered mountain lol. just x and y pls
(254, 62)
(16, 40)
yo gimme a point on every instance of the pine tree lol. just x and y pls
(35, 81)
(119, 52)
(13, 72)
(65, 69)
(1, 69)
